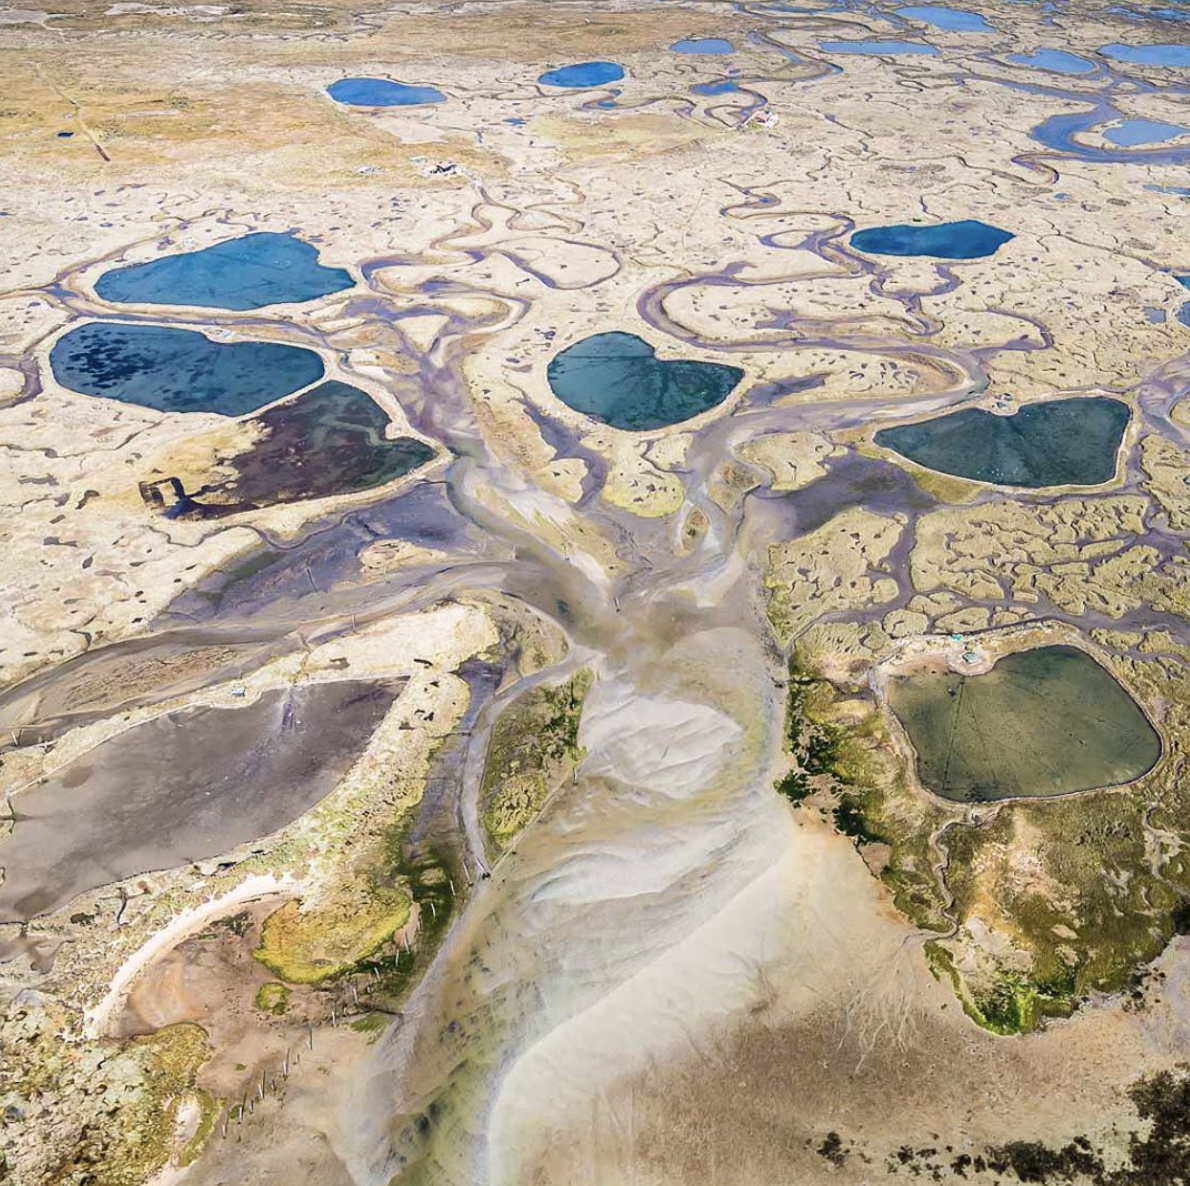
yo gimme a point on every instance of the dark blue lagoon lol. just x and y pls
(1131, 132)
(618, 378)
(382, 92)
(1149, 55)
(958, 19)
(1062, 442)
(878, 48)
(245, 273)
(1056, 60)
(179, 370)
(583, 74)
(703, 45)
(968, 239)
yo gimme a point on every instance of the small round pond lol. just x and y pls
(1062, 442)
(618, 378)
(703, 45)
(382, 92)
(1044, 722)
(957, 20)
(583, 74)
(967, 239)
(179, 370)
(245, 273)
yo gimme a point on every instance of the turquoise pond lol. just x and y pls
(245, 273)
(968, 239)
(179, 370)
(382, 92)
(703, 45)
(583, 74)
(1130, 132)
(882, 49)
(618, 378)
(1148, 55)
(1058, 61)
(1062, 442)
(957, 20)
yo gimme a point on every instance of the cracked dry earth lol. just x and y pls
(405, 811)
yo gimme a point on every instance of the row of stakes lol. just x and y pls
(268, 1085)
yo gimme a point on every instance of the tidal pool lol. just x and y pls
(1062, 442)
(583, 74)
(938, 15)
(330, 440)
(878, 48)
(725, 86)
(1130, 132)
(1056, 60)
(382, 92)
(245, 273)
(1043, 722)
(183, 787)
(1148, 55)
(703, 45)
(179, 370)
(618, 378)
(968, 239)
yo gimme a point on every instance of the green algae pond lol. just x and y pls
(1062, 442)
(1043, 722)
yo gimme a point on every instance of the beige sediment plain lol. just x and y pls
(837, 567)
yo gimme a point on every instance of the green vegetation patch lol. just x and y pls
(273, 997)
(1052, 899)
(533, 749)
(842, 755)
(310, 946)
(105, 1113)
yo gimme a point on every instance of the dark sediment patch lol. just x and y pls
(183, 787)
(1066, 442)
(328, 441)
(1043, 722)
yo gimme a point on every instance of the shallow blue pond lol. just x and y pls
(245, 273)
(382, 92)
(938, 15)
(1056, 60)
(968, 239)
(723, 87)
(179, 370)
(1149, 55)
(618, 378)
(1062, 442)
(881, 48)
(703, 45)
(1142, 131)
(583, 74)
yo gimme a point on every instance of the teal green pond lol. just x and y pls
(1062, 442)
(618, 378)
(245, 273)
(179, 370)
(1044, 722)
